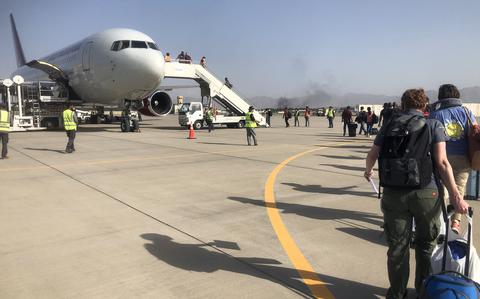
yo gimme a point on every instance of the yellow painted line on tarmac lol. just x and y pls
(310, 278)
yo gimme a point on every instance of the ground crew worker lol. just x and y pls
(330, 116)
(250, 125)
(296, 115)
(209, 119)
(4, 129)
(70, 122)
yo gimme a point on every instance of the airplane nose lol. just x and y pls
(145, 70)
(151, 70)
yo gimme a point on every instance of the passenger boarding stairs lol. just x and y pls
(211, 86)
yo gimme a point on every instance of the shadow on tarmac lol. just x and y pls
(343, 157)
(223, 143)
(179, 128)
(346, 167)
(320, 213)
(349, 146)
(93, 128)
(326, 190)
(361, 152)
(44, 150)
(370, 235)
(201, 258)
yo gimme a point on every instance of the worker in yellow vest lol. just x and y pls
(70, 122)
(4, 129)
(330, 115)
(250, 125)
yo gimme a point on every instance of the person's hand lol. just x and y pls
(460, 205)
(368, 175)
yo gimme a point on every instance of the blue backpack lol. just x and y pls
(450, 285)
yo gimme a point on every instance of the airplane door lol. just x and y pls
(87, 56)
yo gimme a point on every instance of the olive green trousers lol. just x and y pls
(399, 208)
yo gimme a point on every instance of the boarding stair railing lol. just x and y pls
(224, 94)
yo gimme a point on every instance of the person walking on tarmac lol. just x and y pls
(209, 119)
(346, 119)
(296, 115)
(4, 129)
(70, 122)
(330, 115)
(307, 116)
(287, 115)
(250, 125)
(410, 193)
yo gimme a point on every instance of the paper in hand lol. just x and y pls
(374, 187)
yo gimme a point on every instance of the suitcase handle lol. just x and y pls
(447, 211)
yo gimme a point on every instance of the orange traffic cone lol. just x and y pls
(191, 133)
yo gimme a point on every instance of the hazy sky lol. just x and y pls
(277, 48)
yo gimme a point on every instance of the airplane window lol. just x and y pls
(138, 44)
(152, 46)
(124, 44)
(115, 45)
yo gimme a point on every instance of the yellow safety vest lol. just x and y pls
(4, 121)
(330, 113)
(249, 123)
(209, 115)
(68, 120)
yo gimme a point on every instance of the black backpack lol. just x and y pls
(405, 159)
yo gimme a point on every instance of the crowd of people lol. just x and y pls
(184, 57)
(287, 115)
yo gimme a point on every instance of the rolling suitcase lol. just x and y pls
(452, 284)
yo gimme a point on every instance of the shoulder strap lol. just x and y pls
(470, 123)
(469, 120)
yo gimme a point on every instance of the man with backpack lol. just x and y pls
(362, 119)
(454, 117)
(408, 149)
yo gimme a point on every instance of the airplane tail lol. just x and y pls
(18, 46)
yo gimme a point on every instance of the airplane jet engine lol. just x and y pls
(158, 104)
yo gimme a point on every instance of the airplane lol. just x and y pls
(116, 67)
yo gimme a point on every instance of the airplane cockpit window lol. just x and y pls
(124, 44)
(120, 45)
(139, 44)
(152, 45)
(115, 45)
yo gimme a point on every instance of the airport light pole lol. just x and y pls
(7, 83)
(19, 80)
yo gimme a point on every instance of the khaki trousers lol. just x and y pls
(461, 171)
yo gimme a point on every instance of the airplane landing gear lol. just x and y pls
(132, 127)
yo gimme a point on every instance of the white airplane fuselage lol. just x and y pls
(101, 75)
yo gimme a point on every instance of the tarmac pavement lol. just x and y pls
(155, 215)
